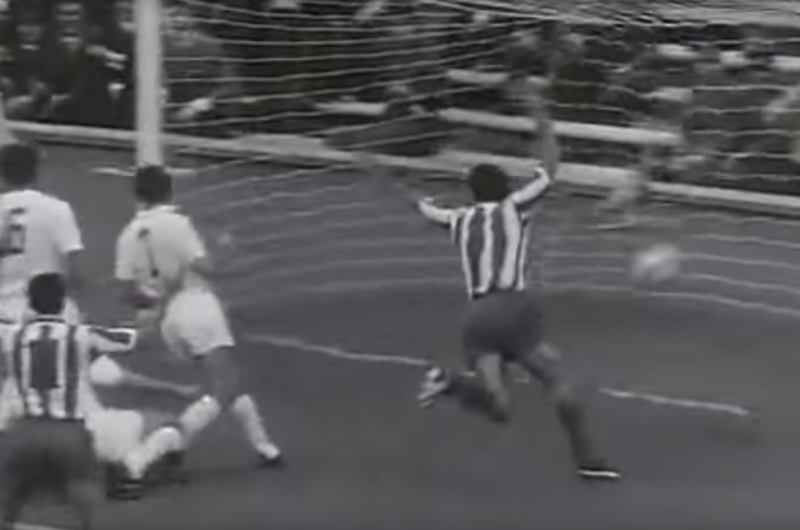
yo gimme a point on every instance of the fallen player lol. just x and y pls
(145, 442)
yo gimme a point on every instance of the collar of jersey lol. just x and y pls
(161, 208)
(46, 318)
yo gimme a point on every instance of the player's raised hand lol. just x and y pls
(533, 98)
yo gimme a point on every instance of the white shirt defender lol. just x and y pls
(39, 231)
(154, 251)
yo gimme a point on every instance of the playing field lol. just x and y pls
(332, 333)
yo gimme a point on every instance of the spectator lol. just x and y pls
(201, 81)
(41, 62)
(103, 93)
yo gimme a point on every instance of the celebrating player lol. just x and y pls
(38, 234)
(47, 360)
(164, 270)
(503, 321)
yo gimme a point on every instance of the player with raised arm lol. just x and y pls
(164, 269)
(38, 234)
(503, 321)
(47, 360)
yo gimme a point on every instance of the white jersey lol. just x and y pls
(156, 249)
(38, 232)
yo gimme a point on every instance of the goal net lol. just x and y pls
(265, 102)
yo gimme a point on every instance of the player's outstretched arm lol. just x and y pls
(107, 372)
(104, 341)
(147, 383)
(535, 103)
(436, 214)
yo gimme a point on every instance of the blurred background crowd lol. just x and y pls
(730, 90)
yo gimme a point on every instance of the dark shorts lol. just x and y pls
(46, 457)
(506, 323)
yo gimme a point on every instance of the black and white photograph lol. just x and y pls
(399, 264)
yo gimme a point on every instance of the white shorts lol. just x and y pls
(195, 324)
(115, 432)
(15, 309)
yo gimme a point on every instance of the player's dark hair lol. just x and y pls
(47, 294)
(152, 185)
(489, 183)
(19, 164)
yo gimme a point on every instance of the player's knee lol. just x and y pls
(563, 395)
(222, 374)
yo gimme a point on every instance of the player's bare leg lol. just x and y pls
(544, 364)
(162, 449)
(223, 380)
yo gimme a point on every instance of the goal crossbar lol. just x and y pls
(452, 164)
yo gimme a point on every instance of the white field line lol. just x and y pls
(347, 355)
(25, 526)
(128, 172)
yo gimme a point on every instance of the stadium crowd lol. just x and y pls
(252, 66)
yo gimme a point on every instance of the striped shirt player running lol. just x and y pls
(47, 360)
(503, 322)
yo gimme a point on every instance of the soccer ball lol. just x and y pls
(656, 264)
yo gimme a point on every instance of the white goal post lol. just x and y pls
(149, 86)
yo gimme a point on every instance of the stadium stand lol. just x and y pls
(696, 89)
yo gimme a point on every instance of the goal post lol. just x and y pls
(149, 86)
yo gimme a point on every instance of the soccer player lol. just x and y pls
(38, 234)
(621, 205)
(47, 359)
(132, 441)
(503, 321)
(166, 274)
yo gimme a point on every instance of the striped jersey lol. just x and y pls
(47, 361)
(492, 237)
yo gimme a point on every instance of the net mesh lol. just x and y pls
(692, 86)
